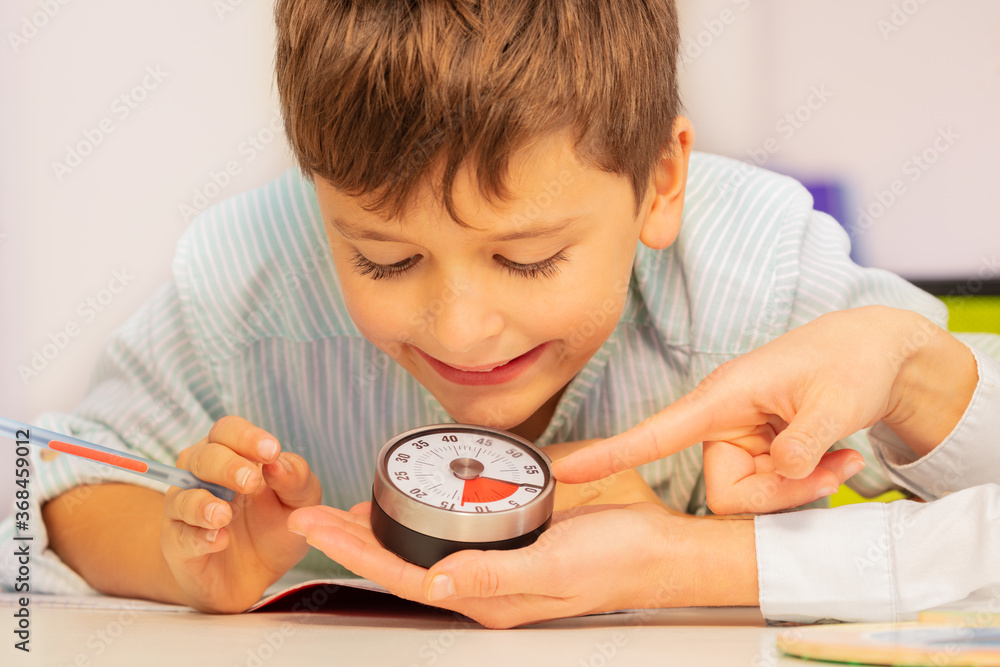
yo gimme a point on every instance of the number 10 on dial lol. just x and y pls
(443, 488)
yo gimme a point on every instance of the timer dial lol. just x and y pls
(448, 487)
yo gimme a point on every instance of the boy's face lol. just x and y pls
(495, 320)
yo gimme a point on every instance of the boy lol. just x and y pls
(500, 187)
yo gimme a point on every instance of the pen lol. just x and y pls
(110, 457)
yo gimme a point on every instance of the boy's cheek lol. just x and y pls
(374, 314)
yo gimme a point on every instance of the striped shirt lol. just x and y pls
(254, 324)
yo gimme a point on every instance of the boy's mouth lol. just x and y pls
(496, 373)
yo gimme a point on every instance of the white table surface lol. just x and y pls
(145, 636)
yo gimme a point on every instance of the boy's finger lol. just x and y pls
(219, 464)
(247, 440)
(292, 481)
(197, 507)
(183, 541)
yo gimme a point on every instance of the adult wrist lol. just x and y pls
(935, 383)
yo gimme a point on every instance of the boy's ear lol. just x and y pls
(662, 217)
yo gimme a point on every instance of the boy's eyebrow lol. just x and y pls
(537, 230)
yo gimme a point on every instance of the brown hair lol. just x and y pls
(376, 94)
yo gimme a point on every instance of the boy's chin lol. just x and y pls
(485, 418)
(493, 415)
(518, 414)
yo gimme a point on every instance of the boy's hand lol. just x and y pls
(768, 418)
(592, 559)
(224, 555)
(621, 488)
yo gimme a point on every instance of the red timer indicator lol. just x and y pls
(485, 490)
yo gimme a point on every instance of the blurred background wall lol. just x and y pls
(119, 120)
(896, 100)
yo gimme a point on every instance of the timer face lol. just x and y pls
(447, 487)
(470, 472)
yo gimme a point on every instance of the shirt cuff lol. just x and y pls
(878, 562)
(966, 458)
(814, 565)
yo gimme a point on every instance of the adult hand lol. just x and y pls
(768, 417)
(659, 560)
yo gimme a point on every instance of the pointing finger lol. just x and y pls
(686, 422)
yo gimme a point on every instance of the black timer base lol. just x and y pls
(424, 550)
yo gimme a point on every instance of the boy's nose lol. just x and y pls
(463, 318)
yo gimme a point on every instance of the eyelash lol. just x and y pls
(367, 267)
(545, 268)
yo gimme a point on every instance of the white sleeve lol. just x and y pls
(970, 455)
(886, 562)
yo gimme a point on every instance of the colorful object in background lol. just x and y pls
(973, 313)
(848, 496)
(831, 197)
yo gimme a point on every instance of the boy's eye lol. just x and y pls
(545, 268)
(366, 267)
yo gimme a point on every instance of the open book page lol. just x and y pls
(313, 594)
(296, 593)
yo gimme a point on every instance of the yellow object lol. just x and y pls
(965, 313)
(973, 313)
(848, 496)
